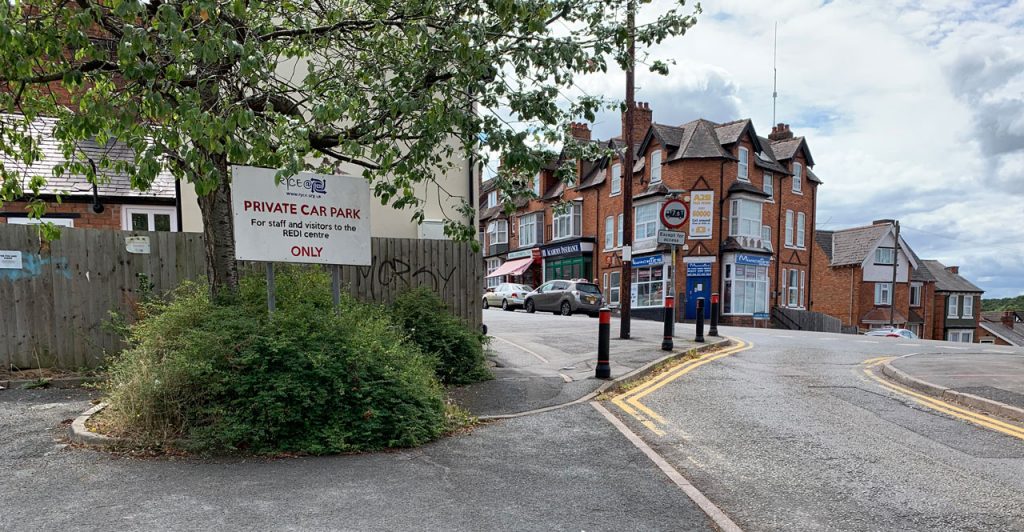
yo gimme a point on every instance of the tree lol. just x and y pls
(395, 88)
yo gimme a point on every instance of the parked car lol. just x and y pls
(508, 296)
(892, 332)
(565, 298)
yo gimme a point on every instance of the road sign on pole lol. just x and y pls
(676, 238)
(674, 213)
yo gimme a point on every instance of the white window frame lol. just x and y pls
(789, 228)
(492, 199)
(768, 186)
(493, 264)
(528, 226)
(616, 179)
(801, 230)
(609, 232)
(731, 286)
(915, 288)
(622, 221)
(803, 291)
(968, 306)
(963, 336)
(536, 183)
(888, 260)
(656, 166)
(883, 294)
(798, 172)
(766, 236)
(743, 171)
(568, 223)
(614, 287)
(793, 289)
(150, 210)
(650, 224)
(953, 306)
(497, 232)
(25, 220)
(664, 271)
(739, 223)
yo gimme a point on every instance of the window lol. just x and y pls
(619, 236)
(766, 236)
(915, 294)
(968, 306)
(742, 172)
(769, 186)
(793, 289)
(953, 306)
(497, 232)
(646, 217)
(656, 166)
(960, 336)
(530, 227)
(613, 286)
(536, 184)
(801, 220)
(609, 232)
(149, 218)
(567, 223)
(492, 199)
(616, 179)
(883, 293)
(649, 285)
(885, 256)
(789, 229)
(745, 218)
(798, 171)
(493, 264)
(746, 289)
(63, 222)
(803, 282)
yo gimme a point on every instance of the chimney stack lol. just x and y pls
(953, 269)
(1008, 318)
(884, 221)
(780, 132)
(641, 121)
(579, 130)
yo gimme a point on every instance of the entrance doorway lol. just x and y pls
(696, 288)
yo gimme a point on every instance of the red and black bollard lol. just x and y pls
(700, 320)
(670, 315)
(713, 330)
(604, 331)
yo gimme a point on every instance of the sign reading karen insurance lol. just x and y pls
(309, 218)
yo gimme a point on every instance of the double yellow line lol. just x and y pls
(630, 403)
(983, 420)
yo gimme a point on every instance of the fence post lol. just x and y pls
(271, 292)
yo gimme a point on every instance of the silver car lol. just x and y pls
(565, 298)
(508, 296)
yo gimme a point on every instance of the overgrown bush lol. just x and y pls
(459, 350)
(221, 376)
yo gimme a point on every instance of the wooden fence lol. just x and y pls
(53, 309)
(803, 320)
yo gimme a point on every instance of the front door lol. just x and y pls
(698, 287)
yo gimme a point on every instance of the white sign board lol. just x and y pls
(308, 218)
(676, 238)
(702, 214)
(10, 260)
(137, 244)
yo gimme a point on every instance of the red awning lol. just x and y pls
(512, 267)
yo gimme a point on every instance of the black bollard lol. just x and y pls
(713, 330)
(604, 331)
(670, 318)
(700, 320)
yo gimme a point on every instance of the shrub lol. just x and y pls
(459, 349)
(221, 376)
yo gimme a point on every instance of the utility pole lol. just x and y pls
(626, 286)
(895, 265)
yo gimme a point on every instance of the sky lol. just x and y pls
(913, 110)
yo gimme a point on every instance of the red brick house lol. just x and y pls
(752, 202)
(1001, 327)
(112, 204)
(955, 304)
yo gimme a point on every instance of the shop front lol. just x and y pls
(651, 282)
(569, 260)
(745, 286)
(698, 286)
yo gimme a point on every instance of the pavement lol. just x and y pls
(544, 360)
(995, 379)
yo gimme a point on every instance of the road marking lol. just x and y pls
(782, 336)
(827, 339)
(565, 377)
(951, 347)
(910, 345)
(998, 351)
(630, 403)
(867, 341)
(715, 513)
(513, 344)
(946, 408)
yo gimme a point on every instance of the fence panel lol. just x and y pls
(803, 320)
(53, 310)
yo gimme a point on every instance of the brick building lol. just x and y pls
(751, 200)
(955, 304)
(1001, 327)
(112, 204)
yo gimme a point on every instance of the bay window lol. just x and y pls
(746, 288)
(646, 226)
(497, 232)
(530, 228)
(745, 218)
(567, 222)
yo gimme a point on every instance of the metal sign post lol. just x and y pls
(674, 214)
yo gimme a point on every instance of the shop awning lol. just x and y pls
(512, 267)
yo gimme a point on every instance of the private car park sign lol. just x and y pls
(307, 218)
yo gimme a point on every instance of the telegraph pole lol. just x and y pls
(626, 282)
(895, 263)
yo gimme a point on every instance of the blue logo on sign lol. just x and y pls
(317, 185)
(314, 185)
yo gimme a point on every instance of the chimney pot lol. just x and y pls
(884, 221)
(780, 132)
(953, 269)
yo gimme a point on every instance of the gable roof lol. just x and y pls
(852, 246)
(947, 281)
(993, 323)
(699, 141)
(766, 158)
(112, 183)
(786, 148)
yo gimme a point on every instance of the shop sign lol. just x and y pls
(564, 249)
(698, 269)
(711, 258)
(650, 260)
(753, 260)
(702, 214)
(521, 254)
(307, 218)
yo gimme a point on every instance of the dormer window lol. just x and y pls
(492, 199)
(743, 175)
(798, 174)
(536, 184)
(616, 179)
(656, 166)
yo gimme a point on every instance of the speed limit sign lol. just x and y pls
(674, 214)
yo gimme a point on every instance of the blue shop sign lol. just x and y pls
(698, 269)
(753, 260)
(650, 260)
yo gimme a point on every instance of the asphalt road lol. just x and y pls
(793, 435)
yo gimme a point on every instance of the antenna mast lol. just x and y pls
(775, 72)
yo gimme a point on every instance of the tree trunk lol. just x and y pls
(218, 232)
